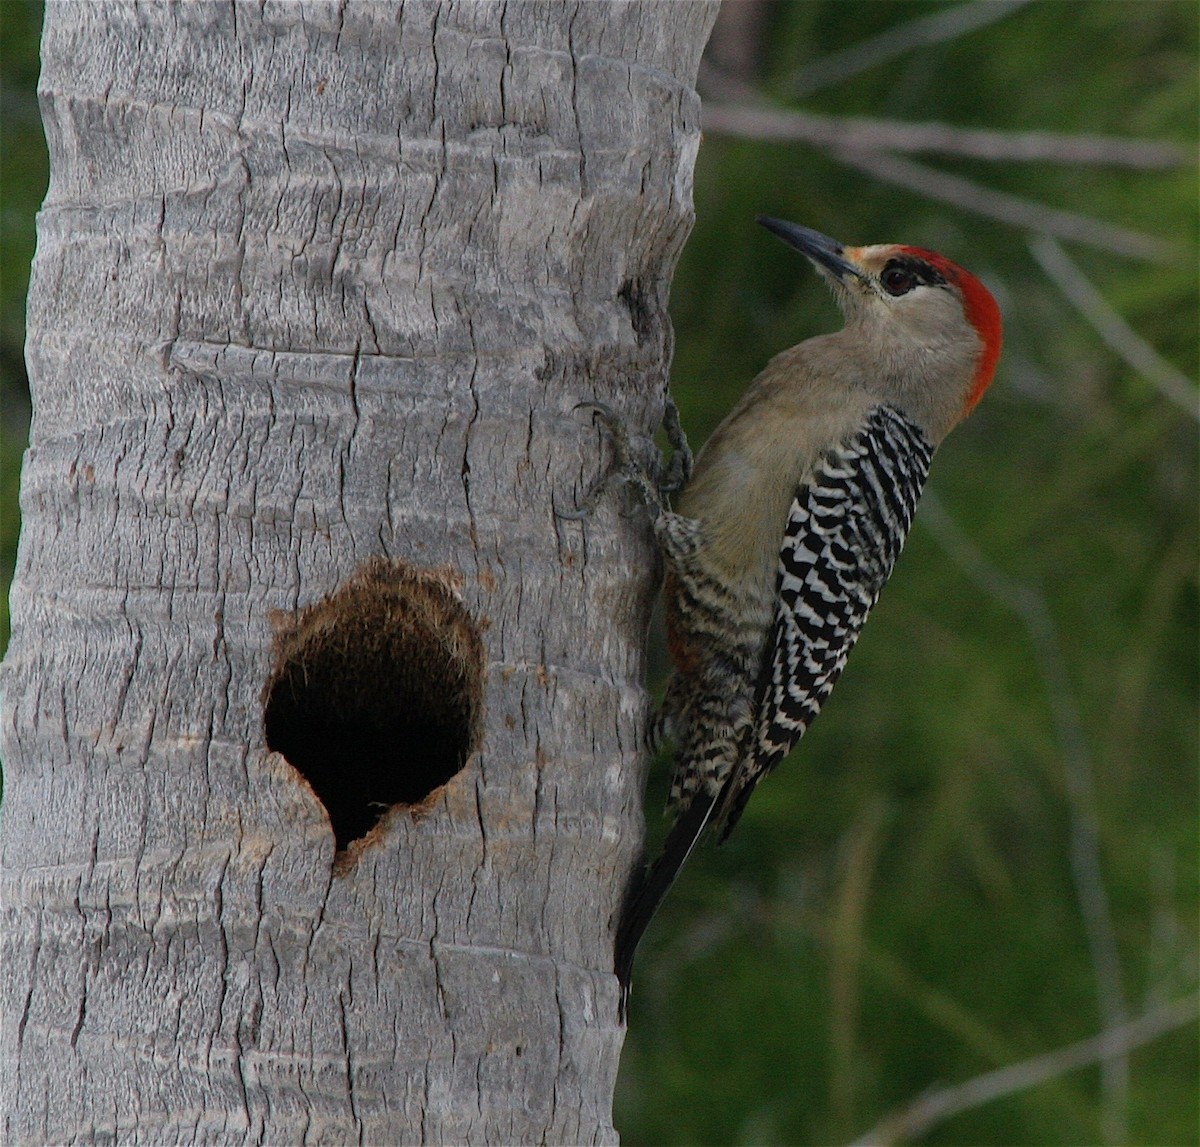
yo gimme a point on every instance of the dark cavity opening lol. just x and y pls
(376, 694)
(640, 307)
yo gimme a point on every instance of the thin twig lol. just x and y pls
(761, 122)
(1173, 384)
(1007, 208)
(1086, 868)
(925, 30)
(936, 1106)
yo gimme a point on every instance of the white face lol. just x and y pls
(892, 282)
(904, 296)
(909, 317)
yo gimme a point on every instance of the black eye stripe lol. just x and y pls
(921, 271)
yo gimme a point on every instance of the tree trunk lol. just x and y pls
(318, 288)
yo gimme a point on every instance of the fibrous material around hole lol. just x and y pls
(376, 693)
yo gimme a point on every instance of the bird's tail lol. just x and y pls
(652, 883)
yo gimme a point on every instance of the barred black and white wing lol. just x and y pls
(845, 530)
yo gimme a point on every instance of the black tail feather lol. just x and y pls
(733, 803)
(650, 886)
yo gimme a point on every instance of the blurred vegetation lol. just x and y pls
(900, 908)
(24, 172)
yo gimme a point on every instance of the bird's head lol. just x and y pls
(932, 328)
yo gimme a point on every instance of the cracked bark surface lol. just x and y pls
(317, 283)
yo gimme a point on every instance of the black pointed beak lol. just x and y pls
(828, 254)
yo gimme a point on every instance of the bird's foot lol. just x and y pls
(626, 469)
(679, 469)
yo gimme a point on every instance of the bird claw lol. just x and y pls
(579, 515)
(679, 470)
(627, 470)
(621, 439)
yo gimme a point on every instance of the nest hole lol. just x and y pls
(376, 692)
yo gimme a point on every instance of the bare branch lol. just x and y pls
(1173, 384)
(748, 121)
(1029, 604)
(935, 29)
(936, 1106)
(1011, 209)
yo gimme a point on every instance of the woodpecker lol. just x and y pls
(791, 521)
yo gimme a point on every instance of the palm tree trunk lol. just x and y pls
(318, 288)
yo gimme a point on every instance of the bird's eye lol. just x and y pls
(897, 281)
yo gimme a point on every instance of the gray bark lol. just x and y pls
(318, 284)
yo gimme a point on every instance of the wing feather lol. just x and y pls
(845, 529)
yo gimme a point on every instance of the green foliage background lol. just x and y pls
(898, 907)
